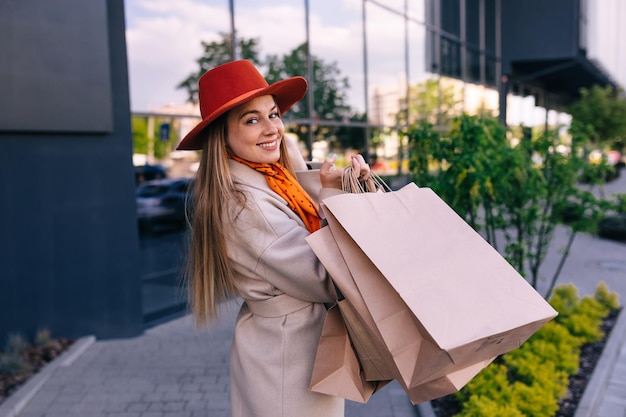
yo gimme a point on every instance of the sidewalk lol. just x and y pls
(172, 370)
(175, 370)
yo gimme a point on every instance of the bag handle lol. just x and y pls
(351, 184)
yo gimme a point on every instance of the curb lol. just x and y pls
(425, 410)
(596, 387)
(16, 402)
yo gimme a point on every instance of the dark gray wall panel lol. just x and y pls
(538, 29)
(54, 71)
(69, 246)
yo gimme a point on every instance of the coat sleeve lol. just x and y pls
(268, 244)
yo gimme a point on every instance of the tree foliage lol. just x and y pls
(330, 101)
(602, 110)
(517, 191)
(329, 85)
(143, 140)
(217, 53)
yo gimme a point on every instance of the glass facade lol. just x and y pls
(373, 66)
(403, 61)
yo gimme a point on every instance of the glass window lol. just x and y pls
(490, 26)
(451, 17)
(472, 23)
(473, 64)
(337, 42)
(491, 70)
(252, 20)
(450, 57)
(386, 64)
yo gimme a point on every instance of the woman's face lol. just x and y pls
(255, 130)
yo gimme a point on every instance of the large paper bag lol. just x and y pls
(447, 384)
(367, 341)
(336, 370)
(440, 295)
(375, 359)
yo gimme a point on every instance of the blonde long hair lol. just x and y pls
(210, 277)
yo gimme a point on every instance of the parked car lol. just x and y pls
(161, 203)
(149, 172)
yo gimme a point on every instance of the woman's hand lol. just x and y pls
(330, 176)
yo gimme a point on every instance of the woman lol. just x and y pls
(250, 220)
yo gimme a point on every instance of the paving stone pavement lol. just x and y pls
(172, 370)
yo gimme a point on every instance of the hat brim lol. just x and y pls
(286, 93)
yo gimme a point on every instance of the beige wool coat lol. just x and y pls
(283, 286)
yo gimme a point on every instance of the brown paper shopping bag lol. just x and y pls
(441, 297)
(447, 384)
(375, 359)
(377, 362)
(336, 370)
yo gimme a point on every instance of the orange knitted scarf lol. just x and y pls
(286, 186)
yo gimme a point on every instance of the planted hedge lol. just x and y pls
(531, 380)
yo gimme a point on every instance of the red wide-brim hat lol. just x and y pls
(229, 85)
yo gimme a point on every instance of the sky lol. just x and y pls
(163, 41)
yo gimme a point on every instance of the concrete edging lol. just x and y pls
(596, 387)
(425, 410)
(16, 402)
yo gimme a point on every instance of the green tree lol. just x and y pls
(217, 53)
(329, 85)
(517, 191)
(144, 143)
(329, 89)
(140, 134)
(602, 110)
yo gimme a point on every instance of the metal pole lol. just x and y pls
(546, 102)
(501, 80)
(366, 140)
(407, 87)
(310, 79)
(233, 37)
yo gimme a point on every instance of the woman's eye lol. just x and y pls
(251, 121)
(275, 115)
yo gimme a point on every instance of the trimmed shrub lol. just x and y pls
(530, 381)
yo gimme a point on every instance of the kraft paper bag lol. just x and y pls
(416, 357)
(376, 360)
(447, 384)
(366, 339)
(441, 297)
(336, 370)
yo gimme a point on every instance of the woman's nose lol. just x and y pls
(270, 127)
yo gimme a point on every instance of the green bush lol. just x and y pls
(15, 344)
(43, 337)
(11, 361)
(12, 364)
(530, 381)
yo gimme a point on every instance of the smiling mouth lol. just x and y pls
(268, 144)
